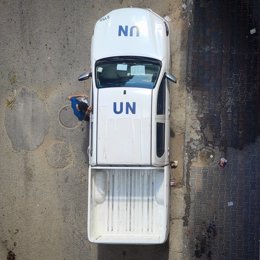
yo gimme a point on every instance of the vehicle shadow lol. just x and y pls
(133, 252)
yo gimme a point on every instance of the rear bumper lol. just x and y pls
(130, 239)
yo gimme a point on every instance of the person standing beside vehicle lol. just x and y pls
(80, 106)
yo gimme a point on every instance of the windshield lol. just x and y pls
(136, 72)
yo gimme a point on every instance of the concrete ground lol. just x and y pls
(44, 47)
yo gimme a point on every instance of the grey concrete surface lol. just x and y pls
(44, 46)
(27, 113)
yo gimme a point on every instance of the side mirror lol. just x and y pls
(170, 77)
(85, 76)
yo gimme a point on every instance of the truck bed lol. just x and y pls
(128, 205)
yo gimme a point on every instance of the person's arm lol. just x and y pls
(89, 109)
(77, 95)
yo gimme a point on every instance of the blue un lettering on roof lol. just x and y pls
(128, 31)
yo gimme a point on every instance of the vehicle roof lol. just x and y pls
(130, 32)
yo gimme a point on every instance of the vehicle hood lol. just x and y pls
(124, 126)
(130, 32)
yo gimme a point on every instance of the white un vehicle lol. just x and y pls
(128, 192)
